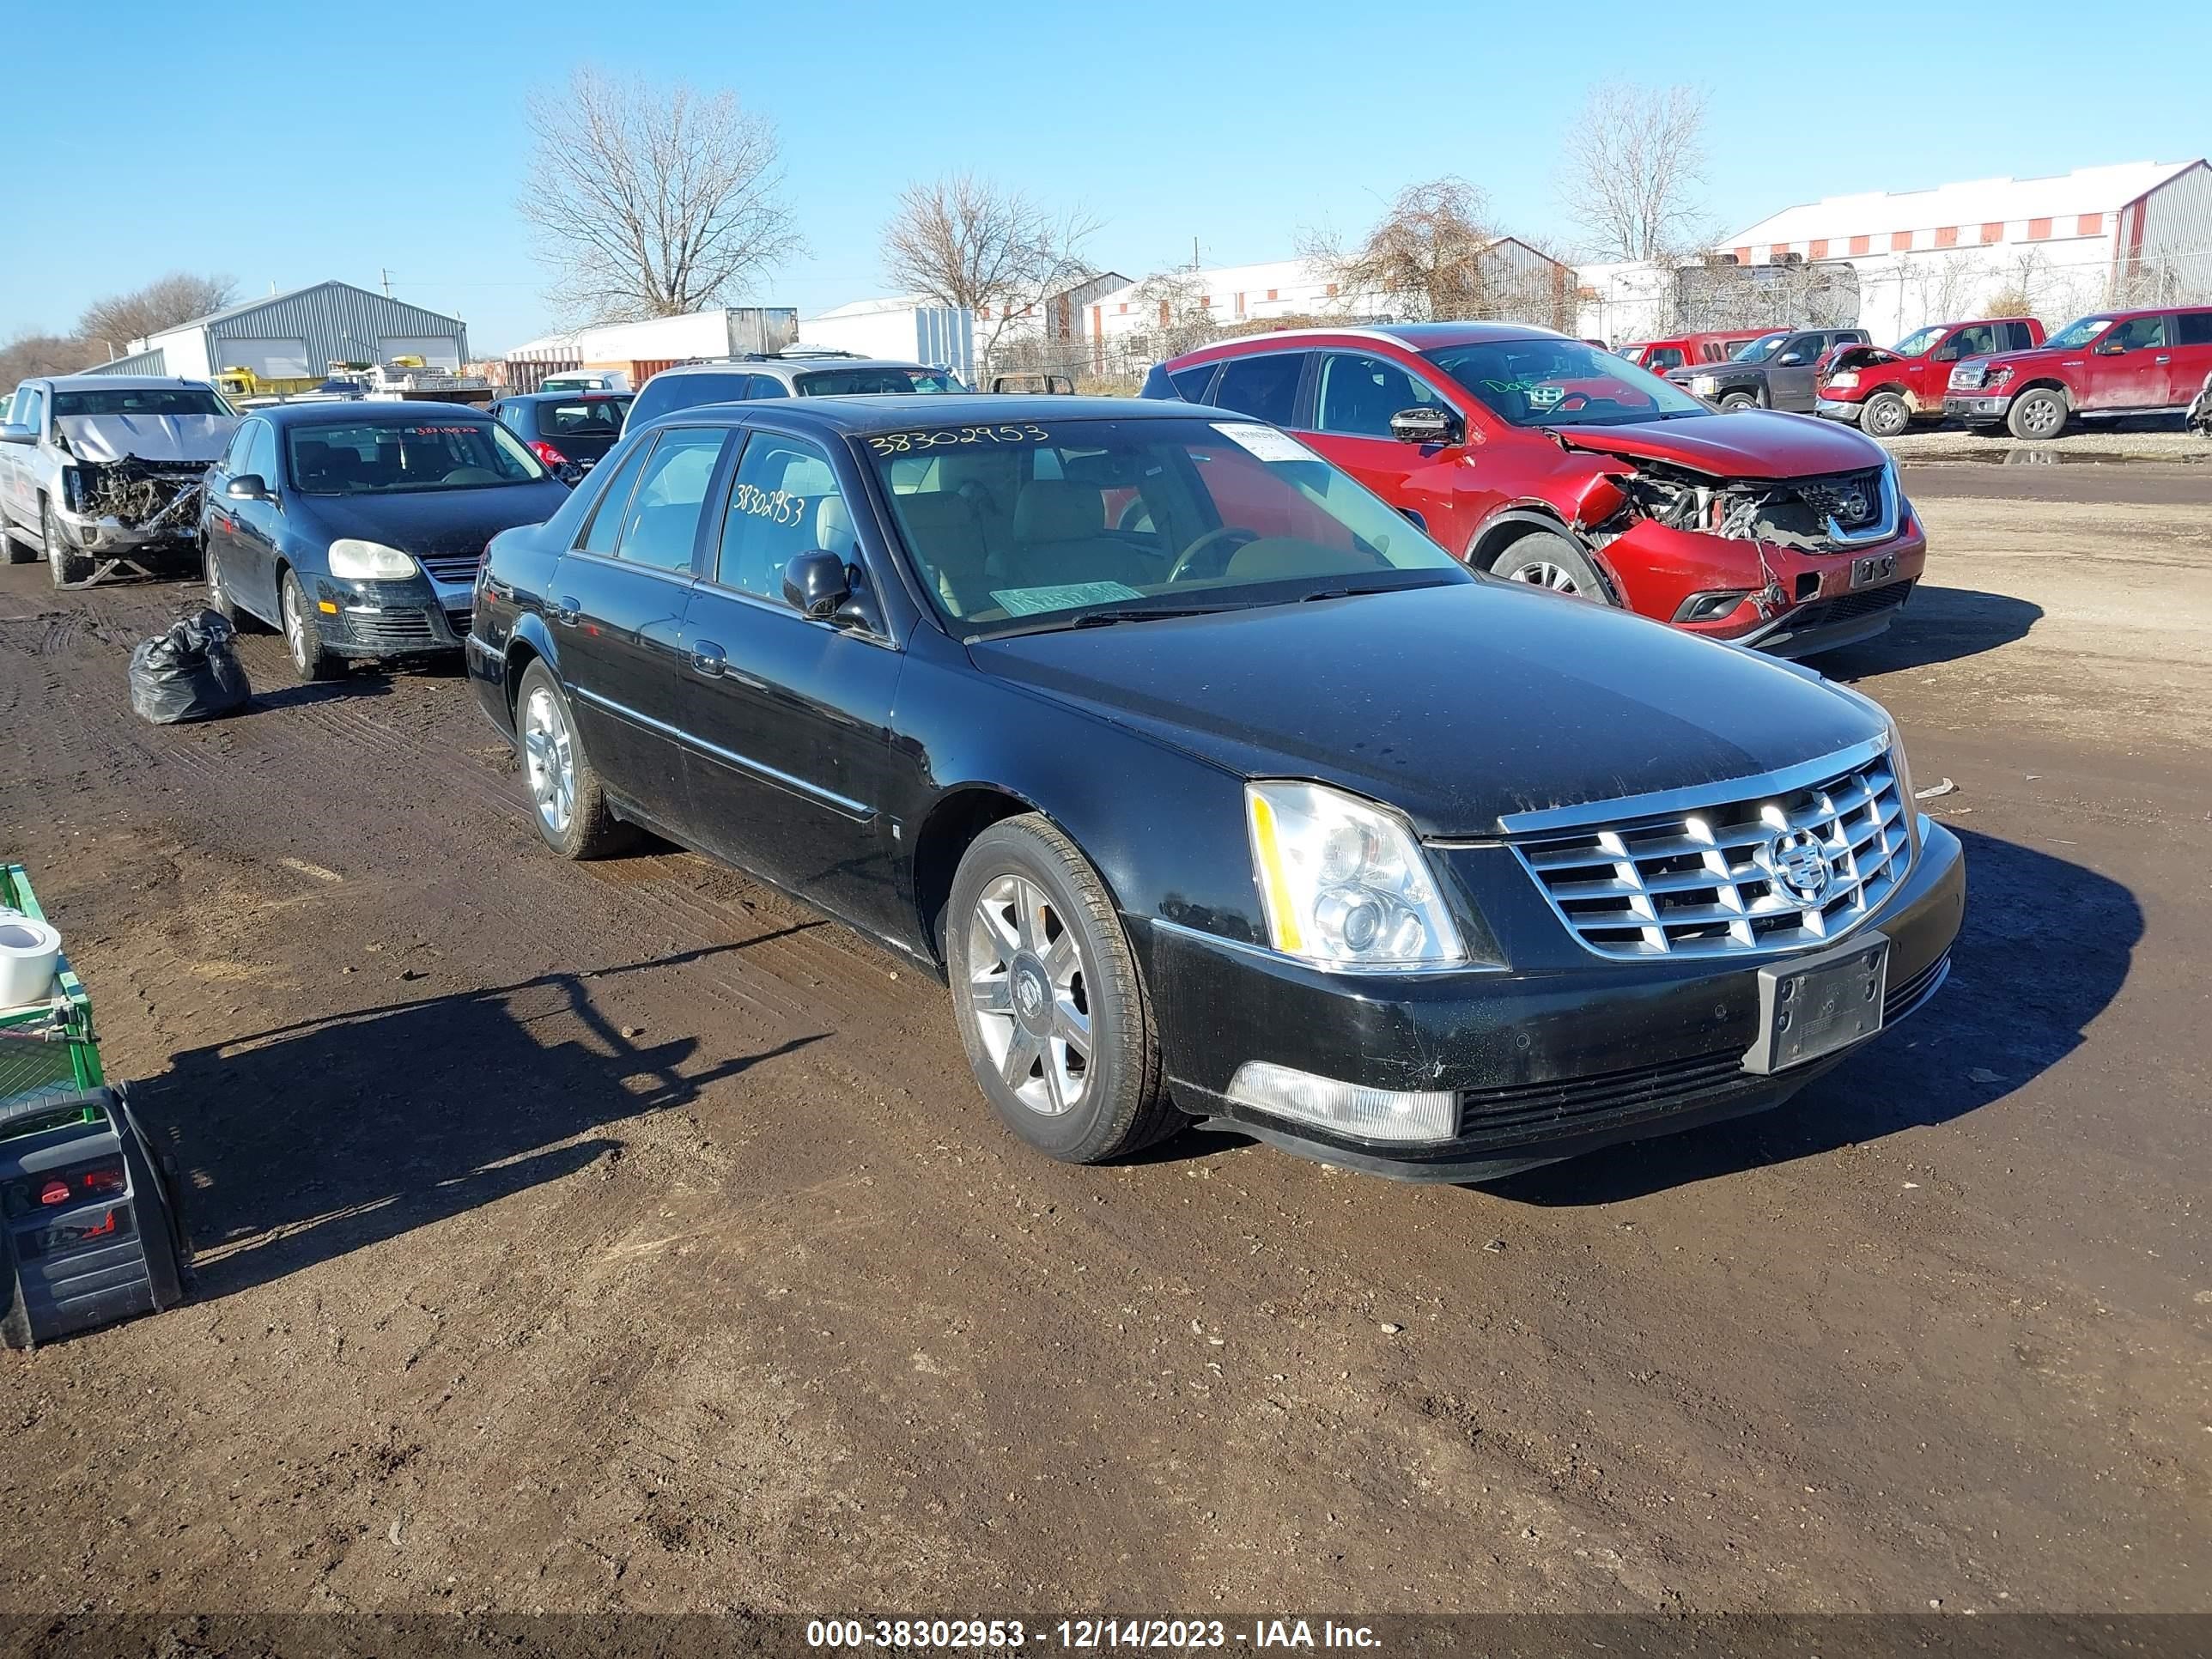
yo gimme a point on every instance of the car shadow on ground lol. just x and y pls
(1938, 624)
(2046, 946)
(301, 1144)
(350, 689)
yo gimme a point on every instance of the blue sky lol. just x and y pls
(287, 143)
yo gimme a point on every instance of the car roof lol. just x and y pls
(124, 382)
(580, 395)
(895, 412)
(790, 365)
(1419, 336)
(354, 411)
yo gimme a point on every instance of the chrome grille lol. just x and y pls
(1693, 883)
(1853, 500)
(459, 570)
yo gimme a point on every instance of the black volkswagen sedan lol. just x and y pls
(356, 528)
(1214, 789)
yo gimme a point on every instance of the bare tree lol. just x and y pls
(968, 242)
(1176, 316)
(1635, 158)
(1432, 254)
(28, 354)
(652, 201)
(178, 297)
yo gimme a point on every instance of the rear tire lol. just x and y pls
(303, 637)
(1544, 558)
(567, 804)
(69, 569)
(1885, 416)
(2037, 415)
(1055, 1021)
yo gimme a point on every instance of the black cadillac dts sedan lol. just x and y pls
(1213, 787)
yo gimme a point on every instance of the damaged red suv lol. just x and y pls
(1538, 459)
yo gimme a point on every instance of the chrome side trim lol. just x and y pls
(859, 810)
(1666, 802)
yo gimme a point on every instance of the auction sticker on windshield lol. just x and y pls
(1264, 441)
(1033, 601)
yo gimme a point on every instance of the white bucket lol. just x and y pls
(28, 950)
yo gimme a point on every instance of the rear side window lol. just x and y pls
(664, 392)
(607, 516)
(765, 385)
(2193, 328)
(1266, 388)
(1190, 384)
(1660, 359)
(663, 521)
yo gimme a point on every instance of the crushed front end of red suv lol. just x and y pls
(1538, 459)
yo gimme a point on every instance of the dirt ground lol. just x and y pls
(624, 1237)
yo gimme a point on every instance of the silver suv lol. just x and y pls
(797, 374)
(100, 473)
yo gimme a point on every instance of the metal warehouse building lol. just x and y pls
(297, 336)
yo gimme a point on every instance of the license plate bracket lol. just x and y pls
(1876, 568)
(1811, 1006)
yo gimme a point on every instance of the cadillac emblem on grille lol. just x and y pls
(1798, 864)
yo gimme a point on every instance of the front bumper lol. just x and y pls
(1836, 409)
(1567, 1054)
(1977, 406)
(412, 618)
(175, 532)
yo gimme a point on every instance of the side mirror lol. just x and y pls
(815, 584)
(13, 434)
(1791, 359)
(2110, 346)
(1431, 424)
(246, 487)
(1414, 519)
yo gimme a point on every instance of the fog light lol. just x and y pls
(1346, 1107)
(1710, 607)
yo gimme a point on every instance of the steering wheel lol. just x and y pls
(1221, 535)
(1569, 402)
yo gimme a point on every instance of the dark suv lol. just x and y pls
(1775, 371)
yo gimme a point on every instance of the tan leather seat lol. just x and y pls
(946, 539)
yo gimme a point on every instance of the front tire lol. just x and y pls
(69, 569)
(1546, 559)
(567, 804)
(303, 637)
(219, 599)
(1736, 400)
(1051, 1011)
(2037, 415)
(1885, 416)
(13, 547)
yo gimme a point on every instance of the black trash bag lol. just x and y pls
(190, 673)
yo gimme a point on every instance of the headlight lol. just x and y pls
(1997, 377)
(1344, 882)
(1849, 377)
(358, 561)
(1703, 384)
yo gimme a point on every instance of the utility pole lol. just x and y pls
(387, 275)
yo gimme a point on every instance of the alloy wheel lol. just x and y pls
(295, 627)
(549, 755)
(2042, 417)
(1542, 573)
(1028, 990)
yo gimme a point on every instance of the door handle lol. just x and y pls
(566, 610)
(2162, 358)
(709, 658)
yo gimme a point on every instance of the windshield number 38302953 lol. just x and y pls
(908, 443)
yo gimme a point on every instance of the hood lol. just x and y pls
(1750, 443)
(1457, 705)
(432, 523)
(201, 438)
(1859, 356)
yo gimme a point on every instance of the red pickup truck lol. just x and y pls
(2112, 362)
(1881, 389)
(1680, 351)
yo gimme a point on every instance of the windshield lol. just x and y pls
(2078, 333)
(381, 457)
(1919, 341)
(1052, 521)
(852, 382)
(1541, 382)
(593, 417)
(140, 400)
(1759, 350)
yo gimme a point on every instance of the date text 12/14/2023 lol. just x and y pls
(1166, 1635)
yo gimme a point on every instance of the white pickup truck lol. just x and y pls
(101, 473)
